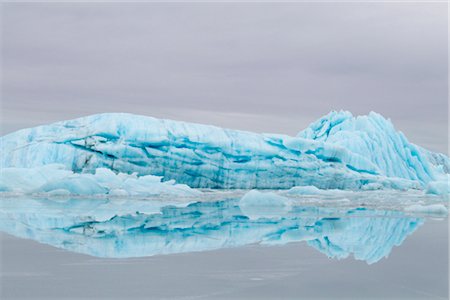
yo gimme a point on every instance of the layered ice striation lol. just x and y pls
(338, 151)
(373, 141)
(123, 228)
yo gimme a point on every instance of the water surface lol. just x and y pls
(219, 248)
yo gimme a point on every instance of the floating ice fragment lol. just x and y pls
(54, 180)
(257, 205)
(441, 187)
(437, 209)
(312, 190)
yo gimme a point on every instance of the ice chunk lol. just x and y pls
(312, 190)
(338, 151)
(439, 187)
(77, 185)
(54, 180)
(255, 205)
(438, 209)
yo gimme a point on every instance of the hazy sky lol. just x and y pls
(264, 67)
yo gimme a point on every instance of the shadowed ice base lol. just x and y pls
(122, 228)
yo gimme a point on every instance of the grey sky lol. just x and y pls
(264, 67)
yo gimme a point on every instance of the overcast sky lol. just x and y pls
(264, 67)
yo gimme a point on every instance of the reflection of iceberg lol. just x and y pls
(148, 227)
(372, 238)
(338, 151)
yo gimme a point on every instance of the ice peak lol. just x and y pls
(331, 123)
(373, 137)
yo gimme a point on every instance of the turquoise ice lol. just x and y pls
(339, 151)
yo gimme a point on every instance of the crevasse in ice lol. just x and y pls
(338, 151)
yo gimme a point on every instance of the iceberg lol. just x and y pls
(339, 151)
(122, 228)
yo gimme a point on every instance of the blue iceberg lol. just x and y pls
(338, 151)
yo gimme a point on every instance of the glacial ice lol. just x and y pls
(338, 151)
(255, 205)
(119, 227)
(56, 180)
(372, 140)
(439, 187)
(438, 209)
(312, 190)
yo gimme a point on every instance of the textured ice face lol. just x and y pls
(336, 152)
(136, 228)
(374, 139)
